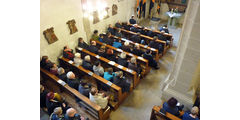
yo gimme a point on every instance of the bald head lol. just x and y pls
(71, 112)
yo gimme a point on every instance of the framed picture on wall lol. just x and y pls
(72, 26)
(114, 9)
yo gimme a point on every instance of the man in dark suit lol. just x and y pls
(110, 29)
(87, 63)
(148, 55)
(156, 45)
(136, 38)
(132, 21)
(137, 51)
(93, 47)
(107, 39)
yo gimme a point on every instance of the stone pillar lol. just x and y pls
(182, 80)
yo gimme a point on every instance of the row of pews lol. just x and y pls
(117, 96)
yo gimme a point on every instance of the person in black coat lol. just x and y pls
(102, 51)
(118, 24)
(137, 51)
(165, 28)
(72, 81)
(93, 48)
(82, 44)
(68, 53)
(43, 94)
(126, 25)
(107, 39)
(144, 31)
(120, 81)
(147, 55)
(118, 33)
(87, 63)
(134, 66)
(84, 89)
(122, 60)
(110, 29)
(136, 38)
(52, 103)
(61, 74)
(156, 45)
(126, 47)
(132, 20)
(110, 56)
(46, 63)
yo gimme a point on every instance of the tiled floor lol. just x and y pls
(139, 103)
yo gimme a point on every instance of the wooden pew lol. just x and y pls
(113, 88)
(139, 59)
(142, 47)
(146, 38)
(54, 83)
(170, 36)
(132, 74)
(157, 114)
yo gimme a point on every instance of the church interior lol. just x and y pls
(120, 59)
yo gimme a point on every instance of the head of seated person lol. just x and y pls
(110, 51)
(95, 32)
(133, 60)
(170, 106)
(66, 48)
(71, 75)
(57, 114)
(80, 40)
(102, 49)
(149, 52)
(123, 55)
(87, 58)
(108, 34)
(193, 114)
(71, 114)
(93, 43)
(110, 25)
(54, 69)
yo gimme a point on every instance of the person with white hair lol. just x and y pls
(192, 115)
(71, 114)
(87, 63)
(122, 59)
(61, 74)
(126, 47)
(72, 81)
(77, 59)
(57, 114)
(132, 20)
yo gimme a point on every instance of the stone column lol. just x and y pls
(182, 80)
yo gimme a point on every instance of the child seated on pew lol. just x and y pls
(99, 98)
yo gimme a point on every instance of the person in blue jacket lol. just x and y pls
(109, 74)
(192, 115)
(117, 43)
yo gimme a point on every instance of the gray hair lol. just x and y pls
(123, 55)
(133, 60)
(60, 71)
(87, 58)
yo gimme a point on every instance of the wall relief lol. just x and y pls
(114, 9)
(50, 35)
(72, 26)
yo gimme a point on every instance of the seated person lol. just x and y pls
(126, 25)
(46, 63)
(110, 56)
(54, 69)
(71, 114)
(107, 39)
(95, 35)
(109, 74)
(165, 29)
(133, 65)
(87, 63)
(102, 51)
(82, 44)
(118, 24)
(98, 69)
(84, 88)
(150, 33)
(68, 53)
(170, 106)
(72, 81)
(161, 37)
(134, 28)
(57, 114)
(52, 103)
(137, 51)
(99, 98)
(132, 20)
(126, 47)
(117, 43)
(118, 33)
(101, 36)
(192, 116)
(93, 47)
(110, 29)
(144, 31)
(154, 44)
(136, 38)
(77, 59)
(61, 74)
(148, 55)
(122, 60)
(43, 94)
(120, 81)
